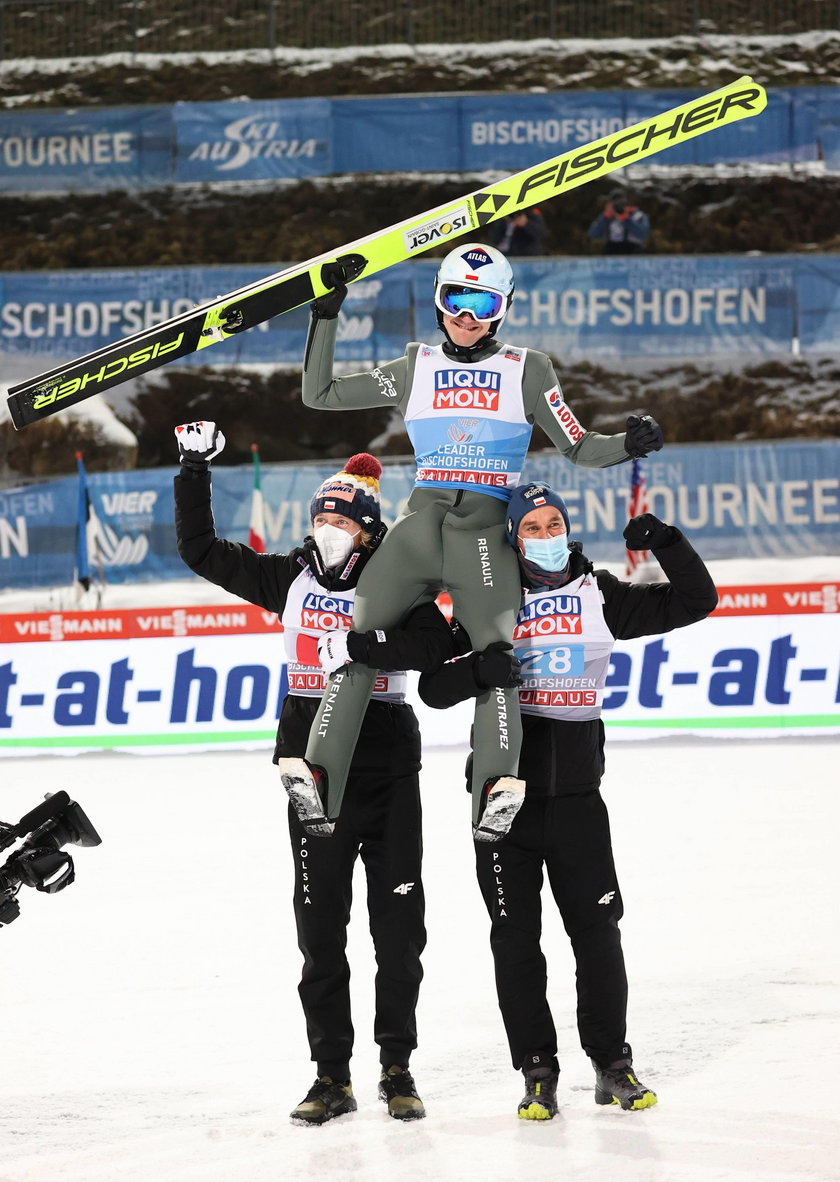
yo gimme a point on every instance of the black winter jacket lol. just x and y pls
(561, 757)
(389, 741)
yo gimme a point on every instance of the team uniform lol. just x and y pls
(381, 820)
(563, 638)
(469, 414)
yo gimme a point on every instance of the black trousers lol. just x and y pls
(570, 837)
(380, 822)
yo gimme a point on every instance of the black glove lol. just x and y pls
(649, 533)
(644, 435)
(496, 667)
(335, 275)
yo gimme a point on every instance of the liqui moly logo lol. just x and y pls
(572, 429)
(549, 615)
(326, 612)
(467, 389)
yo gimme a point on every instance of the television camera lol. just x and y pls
(41, 861)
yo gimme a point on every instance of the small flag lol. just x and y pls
(256, 531)
(638, 505)
(82, 519)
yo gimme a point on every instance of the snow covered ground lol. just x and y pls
(152, 1030)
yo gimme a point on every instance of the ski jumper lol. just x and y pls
(381, 821)
(470, 425)
(562, 828)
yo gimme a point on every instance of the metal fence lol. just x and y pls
(91, 28)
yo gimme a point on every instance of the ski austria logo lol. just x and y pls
(572, 429)
(461, 431)
(467, 389)
(252, 138)
(437, 229)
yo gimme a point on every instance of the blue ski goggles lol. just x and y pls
(480, 303)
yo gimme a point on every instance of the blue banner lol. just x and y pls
(142, 147)
(759, 500)
(599, 308)
(238, 141)
(68, 151)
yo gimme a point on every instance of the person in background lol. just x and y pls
(519, 234)
(381, 820)
(622, 227)
(562, 828)
(469, 405)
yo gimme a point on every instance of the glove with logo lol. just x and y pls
(335, 275)
(644, 435)
(332, 651)
(649, 533)
(198, 443)
(496, 667)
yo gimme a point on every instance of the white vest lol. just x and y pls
(563, 643)
(311, 611)
(467, 423)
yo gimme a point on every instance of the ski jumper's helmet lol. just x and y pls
(477, 279)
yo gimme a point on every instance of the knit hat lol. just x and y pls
(354, 492)
(527, 497)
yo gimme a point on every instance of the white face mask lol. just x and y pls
(334, 544)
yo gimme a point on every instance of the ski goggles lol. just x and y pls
(480, 303)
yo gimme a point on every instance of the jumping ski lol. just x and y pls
(218, 319)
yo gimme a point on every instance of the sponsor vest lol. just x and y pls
(563, 643)
(311, 611)
(467, 423)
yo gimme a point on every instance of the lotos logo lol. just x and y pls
(572, 429)
(466, 389)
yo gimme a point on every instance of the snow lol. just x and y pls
(152, 1028)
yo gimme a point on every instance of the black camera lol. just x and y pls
(41, 861)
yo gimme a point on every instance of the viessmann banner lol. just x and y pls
(733, 500)
(766, 663)
(214, 143)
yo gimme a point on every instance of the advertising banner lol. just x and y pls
(239, 140)
(84, 150)
(244, 141)
(755, 500)
(199, 677)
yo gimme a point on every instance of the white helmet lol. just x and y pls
(477, 279)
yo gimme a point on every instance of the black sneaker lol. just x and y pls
(398, 1090)
(540, 1099)
(324, 1100)
(617, 1084)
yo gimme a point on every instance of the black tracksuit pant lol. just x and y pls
(570, 837)
(381, 823)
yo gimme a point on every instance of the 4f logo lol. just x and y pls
(403, 888)
(607, 898)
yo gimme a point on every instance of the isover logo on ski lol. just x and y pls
(467, 389)
(549, 615)
(572, 429)
(326, 612)
(47, 395)
(439, 228)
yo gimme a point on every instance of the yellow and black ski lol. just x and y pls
(221, 318)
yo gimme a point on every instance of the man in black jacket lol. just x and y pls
(569, 617)
(381, 820)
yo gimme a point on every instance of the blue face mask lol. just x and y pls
(551, 554)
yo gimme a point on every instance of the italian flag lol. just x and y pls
(256, 531)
